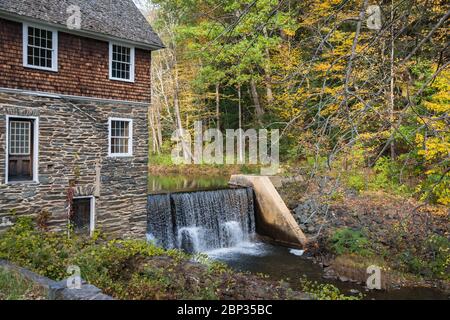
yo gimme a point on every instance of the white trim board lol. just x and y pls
(69, 97)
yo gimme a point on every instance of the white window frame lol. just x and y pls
(92, 213)
(130, 138)
(35, 149)
(132, 61)
(54, 67)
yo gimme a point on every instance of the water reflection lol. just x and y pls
(178, 183)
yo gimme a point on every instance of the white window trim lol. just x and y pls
(54, 67)
(92, 213)
(132, 60)
(130, 138)
(35, 149)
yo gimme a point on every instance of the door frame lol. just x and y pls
(35, 147)
(91, 213)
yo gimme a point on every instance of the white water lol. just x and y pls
(256, 249)
(203, 221)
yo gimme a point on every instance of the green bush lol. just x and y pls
(127, 269)
(345, 241)
(431, 261)
(46, 253)
(356, 181)
(439, 262)
(387, 177)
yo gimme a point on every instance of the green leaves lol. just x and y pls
(345, 241)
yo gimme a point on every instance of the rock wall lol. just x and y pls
(73, 147)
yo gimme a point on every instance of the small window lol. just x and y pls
(121, 62)
(40, 48)
(120, 137)
(82, 218)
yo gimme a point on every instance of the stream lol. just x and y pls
(198, 214)
(279, 263)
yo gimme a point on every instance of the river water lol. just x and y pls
(281, 264)
(220, 223)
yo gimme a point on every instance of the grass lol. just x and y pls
(14, 287)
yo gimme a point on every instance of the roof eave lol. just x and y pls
(84, 33)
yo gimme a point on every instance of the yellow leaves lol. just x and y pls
(325, 67)
(439, 102)
(432, 148)
(331, 90)
(436, 107)
(330, 109)
(367, 137)
(289, 32)
(322, 67)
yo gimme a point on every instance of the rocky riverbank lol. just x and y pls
(349, 231)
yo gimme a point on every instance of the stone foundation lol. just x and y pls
(73, 148)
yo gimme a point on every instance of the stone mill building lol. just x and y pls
(73, 113)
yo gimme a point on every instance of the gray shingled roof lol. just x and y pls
(117, 18)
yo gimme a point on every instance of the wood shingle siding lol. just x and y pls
(83, 68)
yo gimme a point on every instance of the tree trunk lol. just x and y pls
(392, 84)
(258, 109)
(268, 72)
(240, 151)
(176, 104)
(217, 106)
(152, 124)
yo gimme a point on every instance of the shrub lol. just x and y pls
(387, 173)
(128, 269)
(346, 240)
(356, 181)
(325, 291)
(439, 261)
(432, 260)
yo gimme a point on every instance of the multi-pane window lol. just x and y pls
(121, 62)
(120, 132)
(40, 48)
(19, 137)
(22, 134)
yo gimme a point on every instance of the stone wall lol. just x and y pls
(73, 146)
(83, 68)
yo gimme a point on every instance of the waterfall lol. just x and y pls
(201, 221)
(160, 226)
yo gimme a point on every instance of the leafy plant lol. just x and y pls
(14, 287)
(127, 269)
(325, 291)
(346, 240)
